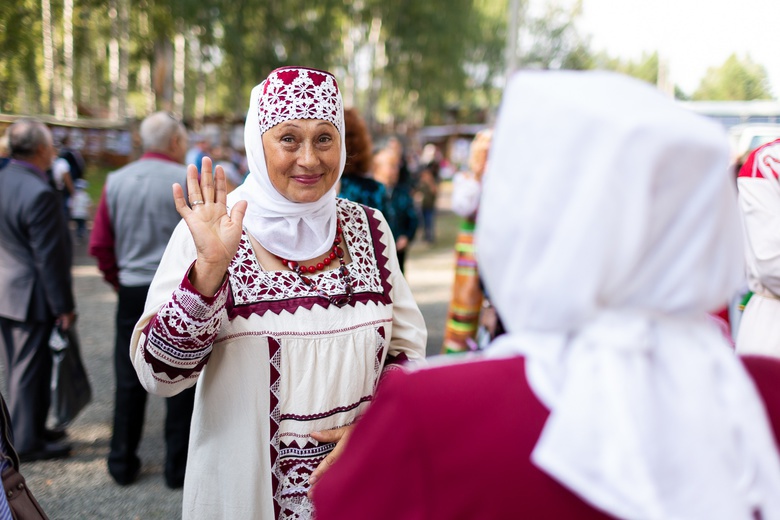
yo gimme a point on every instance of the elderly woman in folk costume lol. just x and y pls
(284, 303)
(612, 394)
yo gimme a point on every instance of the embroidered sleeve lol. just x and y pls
(178, 340)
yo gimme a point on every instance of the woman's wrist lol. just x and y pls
(207, 279)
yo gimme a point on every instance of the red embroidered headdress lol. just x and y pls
(299, 93)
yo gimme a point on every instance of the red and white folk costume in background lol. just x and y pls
(273, 359)
(759, 200)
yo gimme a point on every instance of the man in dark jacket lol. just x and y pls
(35, 285)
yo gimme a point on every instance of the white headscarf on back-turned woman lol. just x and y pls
(607, 230)
(291, 230)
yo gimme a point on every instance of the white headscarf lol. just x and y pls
(291, 230)
(608, 228)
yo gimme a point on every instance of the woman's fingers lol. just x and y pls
(334, 435)
(179, 200)
(338, 435)
(221, 186)
(207, 180)
(193, 188)
(237, 213)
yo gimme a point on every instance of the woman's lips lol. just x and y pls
(308, 179)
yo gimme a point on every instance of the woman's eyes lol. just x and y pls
(290, 139)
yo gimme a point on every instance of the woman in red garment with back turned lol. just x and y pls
(608, 229)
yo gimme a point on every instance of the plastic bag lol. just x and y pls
(70, 388)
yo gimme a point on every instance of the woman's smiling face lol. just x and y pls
(303, 158)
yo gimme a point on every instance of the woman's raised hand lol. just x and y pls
(216, 234)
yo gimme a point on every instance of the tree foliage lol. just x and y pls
(645, 68)
(418, 62)
(738, 79)
(427, 58)
(554, 41)
(20, 37)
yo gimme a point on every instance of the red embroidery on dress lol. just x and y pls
(275, 357)
(255, 291)
(333, 411)
(302, 334)
(289, 471)
(179, 338)
(381, 344)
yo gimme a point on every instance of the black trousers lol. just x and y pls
(130, 402)
(28, 364)
(401, 258)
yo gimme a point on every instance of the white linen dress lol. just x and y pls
(273, 362)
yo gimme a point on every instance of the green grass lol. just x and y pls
(96, 176)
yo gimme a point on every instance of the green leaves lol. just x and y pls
(738, 79)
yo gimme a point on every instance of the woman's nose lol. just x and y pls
(308, 156)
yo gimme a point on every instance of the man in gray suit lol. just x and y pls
(35, 285)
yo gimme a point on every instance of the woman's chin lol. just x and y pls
(305, 195)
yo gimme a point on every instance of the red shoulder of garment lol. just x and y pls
(763, 162)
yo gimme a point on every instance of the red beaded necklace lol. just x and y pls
(335, 252)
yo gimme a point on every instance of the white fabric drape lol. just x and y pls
(292, 230)
(608, 228)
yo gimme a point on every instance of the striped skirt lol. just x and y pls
(466, 301)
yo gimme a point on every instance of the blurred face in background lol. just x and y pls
(386, 168)
(479, 152)
(178, 146)
(395, 146)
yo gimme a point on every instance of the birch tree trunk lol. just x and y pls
(117, 58)
(48, 54)
(67, 90)
(377, 62)
(124, 62)
(59, 109)
(145, 71)
(200, 85)
(349, 61)
(113, 61)
(179, 45)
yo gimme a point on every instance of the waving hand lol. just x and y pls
(216, 234)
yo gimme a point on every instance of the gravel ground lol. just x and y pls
(80, 487)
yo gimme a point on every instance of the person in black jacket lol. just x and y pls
(74, 158)
(401, 213)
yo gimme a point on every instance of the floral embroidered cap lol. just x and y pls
(299, 93)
